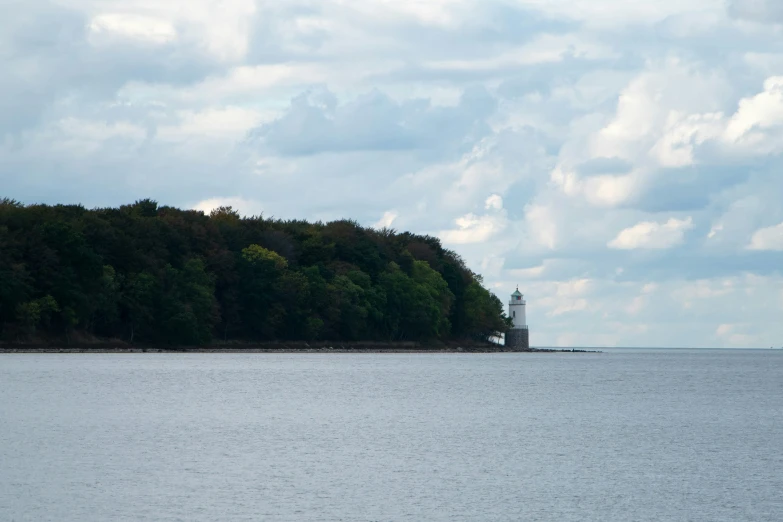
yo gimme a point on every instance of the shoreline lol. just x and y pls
(327, 349)
(119, 346)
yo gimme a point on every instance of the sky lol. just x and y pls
(619, 160)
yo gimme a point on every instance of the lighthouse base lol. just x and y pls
(518, 339)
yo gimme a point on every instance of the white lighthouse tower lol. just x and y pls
(518, 337)
(516, 309)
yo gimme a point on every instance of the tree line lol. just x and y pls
(151, 274)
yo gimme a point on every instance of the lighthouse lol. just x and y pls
(517, 338)
(516, 309)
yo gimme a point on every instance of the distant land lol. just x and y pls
(146, 276)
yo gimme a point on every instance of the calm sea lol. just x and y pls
(626, 435)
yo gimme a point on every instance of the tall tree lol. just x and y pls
(147, 273)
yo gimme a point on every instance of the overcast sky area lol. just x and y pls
(619, 160)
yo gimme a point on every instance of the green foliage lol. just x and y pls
(153, 274)
(225, 215)
(261, 257)
(188, 310)
(441, 297)
(484, 316)
(144, 208)
(32, 314)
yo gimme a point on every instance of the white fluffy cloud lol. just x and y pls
(386, 220)
(758, 123)
(478, 229)
(623, 177)
(769, 238)
(137, 27)
(652, 235)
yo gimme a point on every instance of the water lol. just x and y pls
(624, 435)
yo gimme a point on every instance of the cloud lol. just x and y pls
(703, 289)
(732, 336)
(386, 220)
(652, 235)
(528, 273)
(231, 123)
(763, 11)
(245, 207)
(63, 60)
(541, 225)
(569, 297)
(769, 238)
(472, 228)
(494, 202)
(315, 123)
(715, 230)
(137, 27)
(758, 122)
(603, 166)
(546, 48)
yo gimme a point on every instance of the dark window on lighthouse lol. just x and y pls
(514, 313)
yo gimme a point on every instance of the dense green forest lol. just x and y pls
(151, 274)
